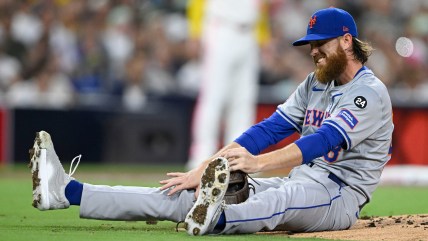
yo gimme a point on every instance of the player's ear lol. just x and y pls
(346, 41)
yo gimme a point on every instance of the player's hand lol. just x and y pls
(240, 159)
(181, 181)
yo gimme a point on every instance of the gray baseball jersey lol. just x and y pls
(361, 111)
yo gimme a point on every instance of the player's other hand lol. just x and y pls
(182, 180)
(240, 159)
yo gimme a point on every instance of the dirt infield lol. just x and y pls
(397, 228)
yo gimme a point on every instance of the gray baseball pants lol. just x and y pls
(306, 201)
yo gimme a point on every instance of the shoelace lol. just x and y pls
(251, 186)
(176, 226)
(70, 173)
(253, 179)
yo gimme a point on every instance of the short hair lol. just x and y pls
(361, 50)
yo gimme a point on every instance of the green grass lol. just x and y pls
(390, 200)
(20, 221)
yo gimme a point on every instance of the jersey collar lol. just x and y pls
(361, 69)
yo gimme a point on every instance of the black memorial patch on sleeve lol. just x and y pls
(360, 102)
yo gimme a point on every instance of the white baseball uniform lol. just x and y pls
(229, 89)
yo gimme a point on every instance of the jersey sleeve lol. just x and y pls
(358, 115)
(294, 108)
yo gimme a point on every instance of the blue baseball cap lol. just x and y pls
(328, 23)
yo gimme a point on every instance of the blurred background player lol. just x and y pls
(230, 33)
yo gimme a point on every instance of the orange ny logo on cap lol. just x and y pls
(312, 21)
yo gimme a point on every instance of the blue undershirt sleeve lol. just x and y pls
(319, 143)
(268, 132)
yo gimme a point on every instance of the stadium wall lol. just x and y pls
(160, 134)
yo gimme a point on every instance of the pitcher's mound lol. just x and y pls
(405, 227)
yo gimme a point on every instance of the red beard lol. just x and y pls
(334, 66)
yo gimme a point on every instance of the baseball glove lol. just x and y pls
(238, 190)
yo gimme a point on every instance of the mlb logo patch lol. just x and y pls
(348, 117)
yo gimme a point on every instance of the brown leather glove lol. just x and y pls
(238, 190)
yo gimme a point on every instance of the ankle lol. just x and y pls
(221, 223)
(73, 192)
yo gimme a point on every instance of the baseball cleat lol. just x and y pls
(204, 215)
(49, 177)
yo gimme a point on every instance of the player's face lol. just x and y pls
(329, 59)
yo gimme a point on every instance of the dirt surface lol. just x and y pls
(397, 228)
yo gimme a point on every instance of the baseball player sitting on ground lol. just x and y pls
(343, 113)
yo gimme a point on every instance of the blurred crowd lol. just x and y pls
(63, 53)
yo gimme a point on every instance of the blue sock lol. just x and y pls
(221, 223)
(73, 192)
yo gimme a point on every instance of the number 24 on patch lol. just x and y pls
(360, 102)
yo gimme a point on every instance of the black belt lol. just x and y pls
(332, 177)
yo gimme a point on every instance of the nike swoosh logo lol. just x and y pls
(316, 89)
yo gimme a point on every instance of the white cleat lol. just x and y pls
(49, 177)
(204, 215)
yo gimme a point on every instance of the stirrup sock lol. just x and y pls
(221, 223)
(73, 192)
